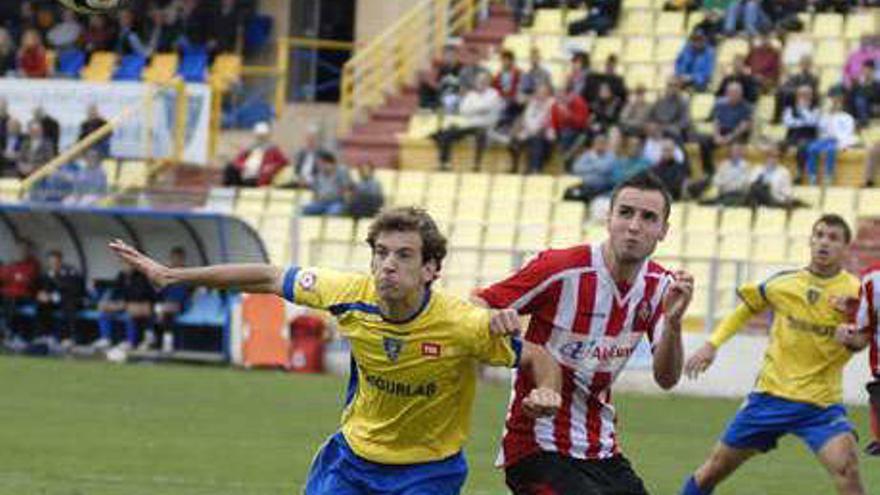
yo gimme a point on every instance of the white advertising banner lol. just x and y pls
(68, 101)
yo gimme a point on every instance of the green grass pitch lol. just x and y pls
(88, 428)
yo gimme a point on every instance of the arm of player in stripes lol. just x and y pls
(546, 398)
(669, 352)
(255, 278)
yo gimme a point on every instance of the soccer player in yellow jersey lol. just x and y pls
(414, 357)
(799, 388)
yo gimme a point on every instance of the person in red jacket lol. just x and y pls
(32, 61)
(257, 165)
(506, 82)
(18, 285)
(569, 118)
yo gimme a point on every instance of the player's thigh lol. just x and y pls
(331, 472)
(840, 455)
(547, 473)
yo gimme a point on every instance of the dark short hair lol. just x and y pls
(326, 156)
(56, 253)
(508, 55)
(583, 57)
(835, 220)
(411, 219)
(645, 181)
(178, 251)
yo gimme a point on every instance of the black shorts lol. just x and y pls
(548, 473)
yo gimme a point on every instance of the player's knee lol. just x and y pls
(846, 468)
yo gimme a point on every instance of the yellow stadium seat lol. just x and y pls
(638, 4)
(549, 45)
(563, 182)
(10, 189)
(736, 220)
(572, 44)
(569, 213)
(730, 48)
(474, 185)
(503, 210)
(694, 18)
(702, 219)
(830, 52)
(500, 236)
(770, 249)
(506, 186)
(536, 211)
(133, 175)
(471, 209)
(442, 183)
(801, 223)
(770, 221)
(496, 264)
(538, 187)
(797, 46)
(387, 177)
(162, 69)
(605, 46)
(670, 24)
(701, 106)
(859, 24)
(735, 246)
(829, 77)
(827, 25)
(548, 21)
(637, 22)
(869, 202)
(339, 229)
(638, 51)
(666, 50)
(422, 125)
(100, 67)
(467, 235)
(811, 195)
(840, 200)
(643, 75)
(700, 244)
(225, 71)
(532, 237)
(411, 184)
(519, 44)
(441, 208)
(564, 236)
(671, 247)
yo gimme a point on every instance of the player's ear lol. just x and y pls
(430, 271)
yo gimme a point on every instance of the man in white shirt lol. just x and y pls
(479, 112)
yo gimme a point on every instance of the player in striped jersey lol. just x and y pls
(590, 306)
(868, 326)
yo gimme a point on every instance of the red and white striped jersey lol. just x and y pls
(591, 326)
(867, 318)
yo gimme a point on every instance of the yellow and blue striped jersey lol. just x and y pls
(412, 382)
(803, 361)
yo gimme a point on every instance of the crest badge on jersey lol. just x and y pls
(813, 295)
(308, 280)
(392, 348)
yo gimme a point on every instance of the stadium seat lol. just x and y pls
(869, 202)
(666, 50)
(548, 21)
(538, 187)
(605, 46)
(770, 249)
(702, 219)
(207, 309)
(500, 236)
(636, 22)
(474, 185)
(700, 244)
(496, 264)
(830, 52)
(638, 4)
(70, 63)
(811, 195)
(467, 235)
(549, 46)
(225, 71)
(100, 67)
(670, 24)
(411, 186)
(536, 211)
(162, 69)
(770, 221)
(568, 214)
(859, 24)
(340, 229)
(730, 49)
(644, 75)
(563, 182)
(735, 246)
(471, 209)
(131, 68)
(507, 186)
(638, 50)
(503, 210)
(840, 200)
(133, 174)
(519, 44)
(828, 25)
(701, 106)
(801, 223)
(694, 18)
(307, 231)
(10, 188)
(532, 237)
(565, 236)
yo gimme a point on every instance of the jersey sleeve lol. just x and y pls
(524, 289)
(321, 288)
(755, 296)
(866, 317)
(494, 350)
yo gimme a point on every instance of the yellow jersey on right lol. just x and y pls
(803, 362)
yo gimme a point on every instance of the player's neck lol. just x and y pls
(824, 271)
(403, 309)
(619, 271)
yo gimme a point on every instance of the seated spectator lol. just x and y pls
(5, 134)
(60, 289)
(440, 87)
(56, 187)
(94, 121)
(171, 301)
(480, 110)
(839, 6)
(305, 161)
(128, 40)
(711, 27)
(9, 154)
(36, 150)
(162, 33)
(601, 18)
(98, 36)
(740, 74)
(569, 117)
(654, 143)
(257, 165)
(594, 167)
(226, 27)
(837, 131)
(695, 63)
(671, 168)
(89, 180)
(26, 19)
(764, 63)
(535, 131)
(18, 287)
(770, 184)
(7, 53)
(731, 182)
(366, 197)
(65, 35)
(732, 123)
(131, 297)
(534, 77)
(506, 82)
(634, 115)
(605, 110)
(630, 162)
(471, 70)
(579, 74)
(672, 112)
(32, 61)
(746, 15)
(868, 50)
(51, 128)
(332, 185)
(802, 123)
(804, 76)
(863, 95)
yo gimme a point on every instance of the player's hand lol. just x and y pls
(849, 336)
(847, 305)
(700, 361)
(505, 322)
(542, 402)
(158, 273)
(678, 296)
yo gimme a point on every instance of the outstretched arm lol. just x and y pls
(669, 353)
(257, 278)
(705, 355)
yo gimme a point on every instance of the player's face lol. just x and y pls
(636, 223)
(828, 246)
(398, 269)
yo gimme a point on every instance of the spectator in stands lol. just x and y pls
(66, 34)
(94, 121)
(470, 70)
(764, 63)
(535, 133)
(5, 137)
(193, 19)
(18, 287)
(569, 117)
(331, 187)
(601, 18)
(130, 297)
(731, 182)
(128, 40)
(671, 168)
(869, 50)
(594, 167)
(7, 53)
(258, 164)
(225, 28)
(480, 111)
(801, 120)
(36, 150)
(305, 161)
(654, 141)
(534, 77)
(615, 81)
(871, 160)
(695, 63)
(51, 128)
(89, 180)
(711, 27)
(839, 6)
(32, 61)
(837, 131)
(59, 289)
(785, 95)
(171, 301)
(439, 88)
(9, 156)
(770, 184)
(732, 119)
(605, 110)
(506, 82)
(630, 161)
(741, 74)
(746, 13)
(26, 19)
(672, 112)
(98, 36)
(579, 74)
(863, 95)
(634, 115)
(366, 197)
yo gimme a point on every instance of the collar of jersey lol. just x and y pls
(338, 309)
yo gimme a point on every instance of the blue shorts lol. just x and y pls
(764, 418)
(337, 470)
